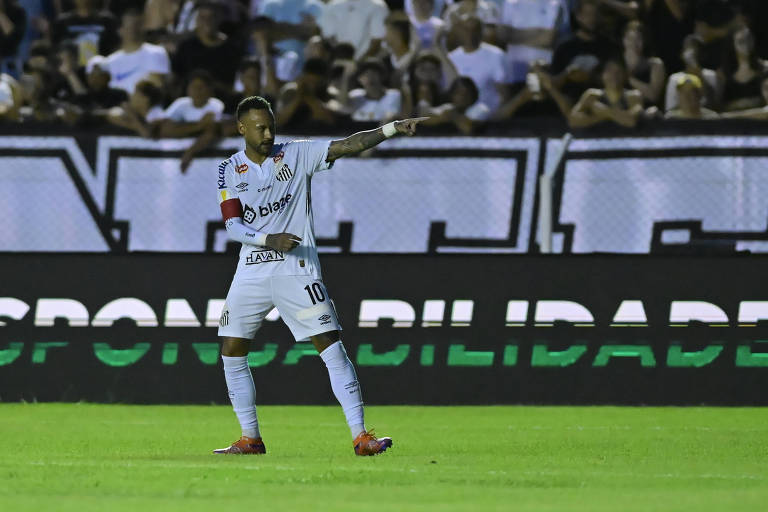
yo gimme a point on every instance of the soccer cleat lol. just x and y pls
(367, 444)
(244, 446)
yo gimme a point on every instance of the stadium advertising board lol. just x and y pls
(422, 329)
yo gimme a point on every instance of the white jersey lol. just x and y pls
(276, 198)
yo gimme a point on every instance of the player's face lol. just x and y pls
(258, 129)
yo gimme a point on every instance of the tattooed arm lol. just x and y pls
(361, 141)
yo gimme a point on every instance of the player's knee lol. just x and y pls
(234, 347)
(324, 340)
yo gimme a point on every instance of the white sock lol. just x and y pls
(242, 393)
(345, 386)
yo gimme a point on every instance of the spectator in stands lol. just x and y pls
(99, 95)
(527, 29)
(402, 50)
(209, 48)
(13, 25)
(646, 74)
(668, 22)
(295, 22)
(358, 22)
(711, 82)
(486, 11)
(482, 62)
(136, 60)
(714, 22)
(285, 63)
(423, 87)
(37, 90)
(613, 103)
(576, 61)
(373, 101)
(68, 77)
(318, 48)
(689, 92)
(256, 77)
(195, 112)
(142, 113)
(306, 100)
(614, 14)
(463, 111)
(743, 74)
(539, 97)
(424, 22)
(93, 30)
(10, 98)
(760, 112)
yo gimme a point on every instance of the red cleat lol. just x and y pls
(244, 446)
(367, 444)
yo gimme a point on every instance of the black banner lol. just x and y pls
(446, 329)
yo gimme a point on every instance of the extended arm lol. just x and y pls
(361, 141)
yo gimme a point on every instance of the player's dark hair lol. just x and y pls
(253, 103)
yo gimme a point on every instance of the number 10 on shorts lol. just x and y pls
(315, 293)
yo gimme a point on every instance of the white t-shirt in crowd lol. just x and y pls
(156, 113)
(487, 12)
(366, 109)
(485, 66)
(529, 14)
(354, 21)
(426, 30)
(183, 110)
(128, 69)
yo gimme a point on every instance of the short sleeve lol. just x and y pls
(159, 62)
(175, 111)
(313, 155)
(217, 107)
(225, 182)
(376, 23)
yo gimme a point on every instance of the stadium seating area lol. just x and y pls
(177, 68)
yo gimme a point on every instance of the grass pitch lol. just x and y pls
(80, 457)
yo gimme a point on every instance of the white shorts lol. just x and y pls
(302, 301)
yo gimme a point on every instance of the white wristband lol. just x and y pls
(389, 129)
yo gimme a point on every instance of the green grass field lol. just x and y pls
(110, 457)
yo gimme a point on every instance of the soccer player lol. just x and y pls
(264, 194)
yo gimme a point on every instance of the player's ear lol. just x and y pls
(240, 128)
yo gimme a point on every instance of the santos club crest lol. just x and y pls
(283, 172)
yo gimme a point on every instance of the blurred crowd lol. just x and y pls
(177, 68)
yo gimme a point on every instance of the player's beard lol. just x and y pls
(265, 148)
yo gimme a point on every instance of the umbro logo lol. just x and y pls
(325, 319)
(242, 187)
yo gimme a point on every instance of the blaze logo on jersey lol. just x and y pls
(240, 169)
(249, 214)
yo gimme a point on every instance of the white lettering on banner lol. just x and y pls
(550, 311)
(461, 313)
(48, 310)
(630, 313)
(433, 312)
(400, 311)
(517, 313)
(178, 313)
(752, 311)
(683, 311)
(12, 308)
(129, 307)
